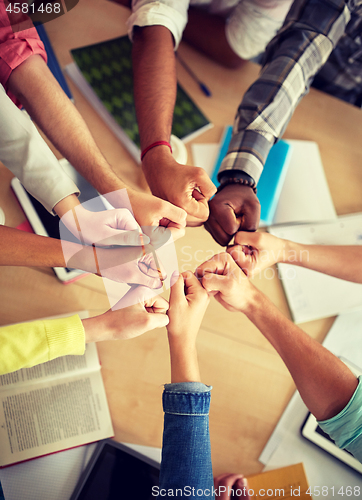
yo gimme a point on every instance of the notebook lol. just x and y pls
(103, 73)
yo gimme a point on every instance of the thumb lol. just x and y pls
(123, 238)
(247, 238)
(243, 261)
(150, 282)
(177, 290)
(157, 320)
(216, 283)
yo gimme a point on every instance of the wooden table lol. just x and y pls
(251, 385)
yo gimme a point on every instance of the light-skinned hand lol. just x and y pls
(185, 186)
(188, 303)
(120, 264)
(234, 208)
(231, 486)
(109, 227)
(128, 322)
(155, 212)
(254, 252)
(223, 278)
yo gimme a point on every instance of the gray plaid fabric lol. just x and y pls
(309, 36)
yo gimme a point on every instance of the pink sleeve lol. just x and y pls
(16, 46)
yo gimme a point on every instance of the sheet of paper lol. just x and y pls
(287, 446)
(302, 200)
(312, 295)
(204, 156)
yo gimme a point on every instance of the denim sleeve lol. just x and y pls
(186, 453)
(346, 427)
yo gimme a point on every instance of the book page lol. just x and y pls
(52, 416)
(59, 367)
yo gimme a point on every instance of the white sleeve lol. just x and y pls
(169, 13)
(24, 152)
(253, 23)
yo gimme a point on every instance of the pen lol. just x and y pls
(202, 86)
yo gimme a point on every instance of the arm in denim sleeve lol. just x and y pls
(346, 427)
(310, 32)
(186, 453)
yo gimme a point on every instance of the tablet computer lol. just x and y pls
(46, 224)
(117, 472)
(311, 431)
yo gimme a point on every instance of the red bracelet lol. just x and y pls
(153, 145)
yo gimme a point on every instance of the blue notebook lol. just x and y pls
(272, 178)
(53, 63)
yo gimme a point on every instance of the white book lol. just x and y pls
(53, 406)
(312, 295)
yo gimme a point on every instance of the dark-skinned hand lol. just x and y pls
(235, 208)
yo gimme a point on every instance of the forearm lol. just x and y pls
(19, 248)
(36, 88)
(154, 83)
(342, 261)
(323, 381)
(184, 363)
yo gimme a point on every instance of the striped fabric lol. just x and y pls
(301, 48)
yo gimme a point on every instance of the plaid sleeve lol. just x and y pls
(309, 34)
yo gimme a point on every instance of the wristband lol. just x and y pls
(235, 180)
(153, 145)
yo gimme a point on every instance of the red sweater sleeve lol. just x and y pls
(18, 41)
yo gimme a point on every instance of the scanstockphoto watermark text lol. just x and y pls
(190, 491)
(189, 258)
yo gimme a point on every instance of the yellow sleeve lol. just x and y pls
(28, 344)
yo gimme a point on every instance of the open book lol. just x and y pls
(52, 407)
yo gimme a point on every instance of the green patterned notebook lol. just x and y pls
(103, 72)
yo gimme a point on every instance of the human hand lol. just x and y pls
(254, 252)
(188, 303)
(234, 208)
(123, 323)
(150, 211)
(106, 228)
(154, 212)
(120, 264)
(225, 483)
(223, 278)
(185, 186)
